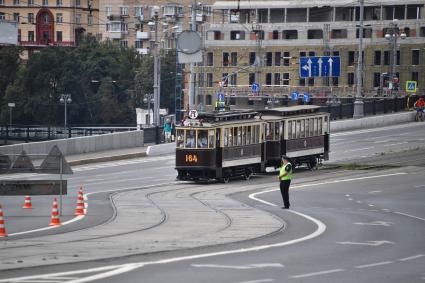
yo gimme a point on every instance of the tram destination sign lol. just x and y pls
(32, 187)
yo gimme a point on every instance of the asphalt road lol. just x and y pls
(357, 225)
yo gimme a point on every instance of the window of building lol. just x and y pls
(16, 17)
(344, 14)
(124, 11)
(415, 77)
(269, 59)
(78, 19)
(339, 33)
(138, 12)
(415, 57)
(314, 34)
(277, 58)
(310, 81)
(208, 99)
(233, 79)
(350, 79)
(268, 79)
(398, 58)
(15, 2)
(311, 53)
(335, 81)
(19, 35)
(201, 79)
(90, 20)
(78, 3)
(275, 35)
(209, 80)
(251, 58)
(30, 2)
(31, 36)
(296, 15)
(108, 10)
(224, 79)
(30, 18)
(59, 18)
(124, 43)
(285, 79)
(217, 35)
(351, 58)
(367, 33)
(45, 3)
(277, 79)
(290, 34)
(301, 82)
(234, 58)
(138, 44)
(237, 35)
(58, 36)
(377, 58)
(376, 79)
(210, 59)
(387, 57)
(225, 58)
(59, 2)
(303, 54)
(251, 78)
(1, 2)
(422, 32)
(286, 59)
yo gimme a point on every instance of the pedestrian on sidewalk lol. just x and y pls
(167, 130)
(285, 177)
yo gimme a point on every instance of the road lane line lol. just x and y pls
(374, 264)
(408, 215)
(258, 281)
(411, 257)
(317, 273)
(358, 149)
(399, 143)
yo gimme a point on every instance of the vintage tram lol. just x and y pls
(238, 143)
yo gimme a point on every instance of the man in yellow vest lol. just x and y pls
(285, 177)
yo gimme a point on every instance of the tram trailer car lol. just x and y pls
(299, 132)
(238, 143)
(220, 145)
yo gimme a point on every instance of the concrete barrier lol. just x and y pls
(372, 122)
(80, 145)
(161, 149)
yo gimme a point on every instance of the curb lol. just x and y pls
(107, 158)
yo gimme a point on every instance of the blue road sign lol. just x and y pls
(255, 87)
(220, 97)
(306, 98)
(323, 66)
(294, 95)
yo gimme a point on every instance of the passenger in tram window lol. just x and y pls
(180, 135)
(190, 140)
(202, 139)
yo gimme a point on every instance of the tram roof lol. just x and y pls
(291, 110)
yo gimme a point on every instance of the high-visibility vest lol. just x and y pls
(287, 176)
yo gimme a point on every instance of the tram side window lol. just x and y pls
(326, 125)
(302, 128)
(320, 124)
(307, 125)
(269, 131)
(180, 138)
(248, 135)
(276, 131)
(211, 139)
(202, 139)
(311, 127)
(258, 138)
(239, 135)
(294, 130)
(289, 129)
(226, 137)
(190, 139)
(315, 126)
(281, 125)
(243, 135)
(298, 129)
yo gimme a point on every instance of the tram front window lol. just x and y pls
(202, 139)
(190, 139)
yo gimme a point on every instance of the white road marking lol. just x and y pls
(350, 199)
(374, 264)
(316, 273)
(371, 205)
(358, 149)
(385, 210)
(420, 186)
(411, 257)
(375, 192)
(393, 144)
(408, 215)
(375, 223)
(347, 195)
(248, 266)
(258, 281)
(369, 243)
(382, 141)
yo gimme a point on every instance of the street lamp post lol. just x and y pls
(65, 99)
(392, 35)
(148, 99)
(11, 106)
(358, 103)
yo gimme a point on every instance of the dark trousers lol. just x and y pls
(284, 190)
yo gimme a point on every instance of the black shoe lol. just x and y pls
(285, 207)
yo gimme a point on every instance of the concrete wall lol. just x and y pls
(80, 144)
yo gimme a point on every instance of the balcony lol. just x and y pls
(143, 51)
(143, 35)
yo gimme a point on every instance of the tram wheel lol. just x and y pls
(248, 174)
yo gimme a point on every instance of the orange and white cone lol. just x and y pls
(79, 210)
(55, 221)
(27, 204)
(2, 227)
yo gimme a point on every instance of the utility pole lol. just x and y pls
(358, 103)
(192, 65)
(156, 75)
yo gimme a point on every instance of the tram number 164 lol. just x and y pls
(191, 158)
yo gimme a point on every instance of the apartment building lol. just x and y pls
(261, 42)
(133, 23)
(51, 22)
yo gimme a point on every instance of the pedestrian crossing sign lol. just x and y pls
(411, 86)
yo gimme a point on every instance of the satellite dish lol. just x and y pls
(189, 42)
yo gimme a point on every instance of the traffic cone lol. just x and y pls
(55, 221)
(2, 228)
(79, 210)
(27, 204)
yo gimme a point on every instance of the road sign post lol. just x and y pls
(323, 66)
(411, 86)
